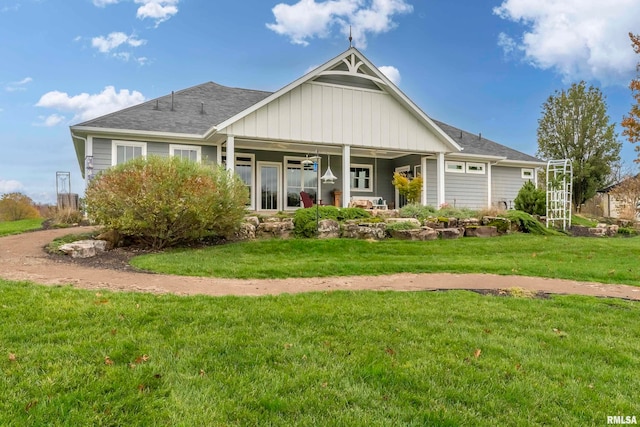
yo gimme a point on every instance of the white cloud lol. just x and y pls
(86, 106)
(160, 10)
(10, 186)
(115, 40)
(579, 39)
(308, 19)
(103, 3)
(19, 85)
(51, 120)
(392, 73)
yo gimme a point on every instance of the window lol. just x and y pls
(476, 168)
(123, 151)
(361, 177)
(456, 167)
(526, 173)
(244, 169)
(300, 177)
(191, 152)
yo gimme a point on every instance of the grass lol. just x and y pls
(72, 357)
(585, 259)
(583, 221)
(20, 226)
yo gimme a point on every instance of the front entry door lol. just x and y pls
(269, 179)
(400, 199)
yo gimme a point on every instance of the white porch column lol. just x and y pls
(441, 196)
(231, 153)
(88, 159)
(219, 154)
(489, 185)
(346, 175)
(423, 168)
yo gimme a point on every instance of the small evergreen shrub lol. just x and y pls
(531, 200)
(304, 220)
(166, 201)
(627, 231)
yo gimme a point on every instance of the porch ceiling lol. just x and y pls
(297, 147)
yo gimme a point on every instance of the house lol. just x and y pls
(606, 203)
(345, 114)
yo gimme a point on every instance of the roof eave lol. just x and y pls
(98, 131)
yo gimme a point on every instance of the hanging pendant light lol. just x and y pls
(328, 177)
(307, 161)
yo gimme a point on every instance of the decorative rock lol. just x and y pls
(328, 229)
(112, 237)
(503, 225)
(481, 231)
(468, 222)
(409, 220)
(84, 248)
(355, 230)
(420, 234)
(254, 220)
(247, 231)
(450, 233)
(275, 227)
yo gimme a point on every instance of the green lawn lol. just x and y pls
(73, 357)
(15, 227)
(606, 260)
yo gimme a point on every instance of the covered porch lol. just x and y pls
(276, 172)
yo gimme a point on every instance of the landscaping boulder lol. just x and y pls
(419, 234)
(503, 225)
(253, 220)
(247, 231)
(450, 233)
(367, 230)
(468, 222)
(276, 227)
(84, 248)
(481, 231)
(328, 229)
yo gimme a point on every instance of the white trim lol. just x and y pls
(258, 188)
(489, 185)
(117, 143)
(196, 148)
(458, 167)
(231, 150)
(441, 180)
(346, 183)
(107, 132)
(362, 166)
(523, 172)
(423, 163)
(476, 168)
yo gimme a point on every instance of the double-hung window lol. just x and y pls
(191, 152)
(361, 177)
(123, 151)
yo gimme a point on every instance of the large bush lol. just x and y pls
(162, 202)
(531, 200)
(16, 206)
(305, 219)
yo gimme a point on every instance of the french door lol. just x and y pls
(269, 179)
(300, 177)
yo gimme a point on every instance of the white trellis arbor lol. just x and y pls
(559, 190)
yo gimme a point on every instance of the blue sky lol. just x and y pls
(484, 66)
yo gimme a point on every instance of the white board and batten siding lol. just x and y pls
(331, 114)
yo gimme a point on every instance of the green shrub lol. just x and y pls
(627, 231)
(418, 211)
(401, 225)
(531, 199)
(166, 201)
(304, 220)
(460, 213)
(528, 224)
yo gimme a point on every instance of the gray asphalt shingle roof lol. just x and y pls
(474, 144)
(220, 103)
